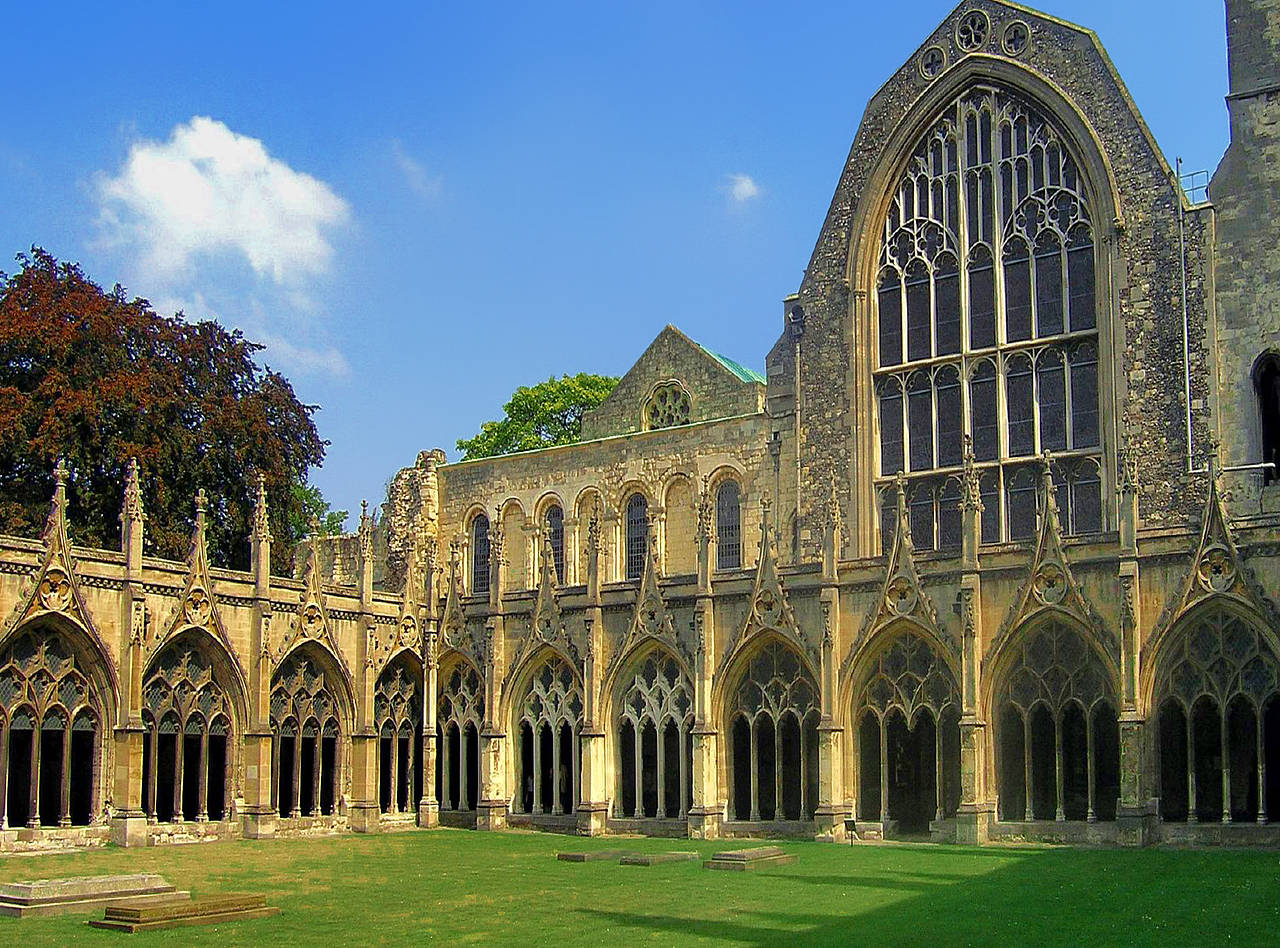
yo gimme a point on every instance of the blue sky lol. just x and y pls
(422, 206)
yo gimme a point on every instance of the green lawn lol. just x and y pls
(508, 887)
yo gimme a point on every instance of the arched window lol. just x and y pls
(637, 534)
(304, 723)
(479, 555)
(986, 311)
(182, 690)
(1266, 384)
(667, 406)
(459, 722)
(555, 533)
(550, 724)
(654, 746)
(728, 526)
(397, 717)
(50, 725)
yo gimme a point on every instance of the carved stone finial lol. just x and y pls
(1049, 500)
(60, 478)
(261, 521)
(131, 509)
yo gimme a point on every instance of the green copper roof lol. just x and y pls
(737, 368)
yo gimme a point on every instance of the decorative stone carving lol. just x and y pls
(312, 622)
(651, 620)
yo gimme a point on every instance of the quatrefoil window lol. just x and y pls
(932, 62)
(972, 31)
(1017, 37)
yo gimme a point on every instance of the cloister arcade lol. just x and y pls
(907, 733)
(307, 712)
(188, 758)
(397, 712)
(51, 714)
(548, 722)
(654, 715)
(772, 725)
(460, 716)
(1217, 741)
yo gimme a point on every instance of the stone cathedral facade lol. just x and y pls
(990, 551)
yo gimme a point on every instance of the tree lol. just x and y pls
(545, 415)
(95, 378)
(314, 513)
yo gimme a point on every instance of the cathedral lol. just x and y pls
(990, 551)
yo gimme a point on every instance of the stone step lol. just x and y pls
(82, 893)
(134, 916)
(743, 860)
(655, 859)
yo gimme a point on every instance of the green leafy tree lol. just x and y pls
(96, 378)
(545, 415)
(312, 509)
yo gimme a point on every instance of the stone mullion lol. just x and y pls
(64, 801)
(884, 774)
(464, 770)
(1191, 772)
(661, 748)
(202, 778)
(777, 768)
(1059, 812)
(446, 762)
(297, 774)
(409, 802)
(33, 816)
(575, 770)
(638, 749)
(804, 774)
(755, 770)
(276, 741)
(556, 808)
(393, 772)
(937, 767)
(1026, 767)
(1226, 767)
(315, 773)
(537, 767)
(1262, 771)
(179, 752)
(4, 775)
(684, 771)
(1091, 768)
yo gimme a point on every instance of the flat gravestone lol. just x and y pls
(655, 859)
(595, 855)
(82, 893)
(135, 916)
(744, 860)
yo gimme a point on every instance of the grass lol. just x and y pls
(507, 888)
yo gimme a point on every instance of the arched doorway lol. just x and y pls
(908, 729)
(653, 719)
(549, 722)
(460, 714)
(397, 715)
(773, 722)
(51, 716)
(306, 725)
(1058, 741)
(1218, 737)
(188, 756)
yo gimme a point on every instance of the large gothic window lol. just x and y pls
(550, 724)
(1218, 691)
(773, 726)
(459, 719)
(655, 751)
(397, 715)
(908, 736)
(728, 526)
(187, 760)
(1058, 755)
(637, 527)
(305, 728)
(50, 723)
(479, 555)
(985, 308)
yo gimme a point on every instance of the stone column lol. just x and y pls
(1135, 810)
(202, 782)
(179, 755)
(33, 817)
(428, 805)
(593, 781)
(64, 801)
(832, 809)
(977, 803)
(494, 796)
(707, 812)
(129, 821)
(261, 751)
(4, 776)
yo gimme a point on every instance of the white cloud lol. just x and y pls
(421, 183)
(208, 191)
(210, 223)
(742, 188)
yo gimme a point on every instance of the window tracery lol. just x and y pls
(667, 406)
(397, 716)
(655, 715)
(460, 714)
(305, 724)
(637, 527)
(728, 526)
(986, 314)
(479, 555)
(550, 722)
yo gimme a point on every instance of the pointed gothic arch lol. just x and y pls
(310, 714)
(545, 707)
(460, 715)
(56, 705)
(194, 707)
(651, 713)
(397, 718)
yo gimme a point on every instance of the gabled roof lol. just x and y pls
(737, 368)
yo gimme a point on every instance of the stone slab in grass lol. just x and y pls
(656, 859)
(744, 860)
(596, 855)
(137, 916)
(82, 893)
